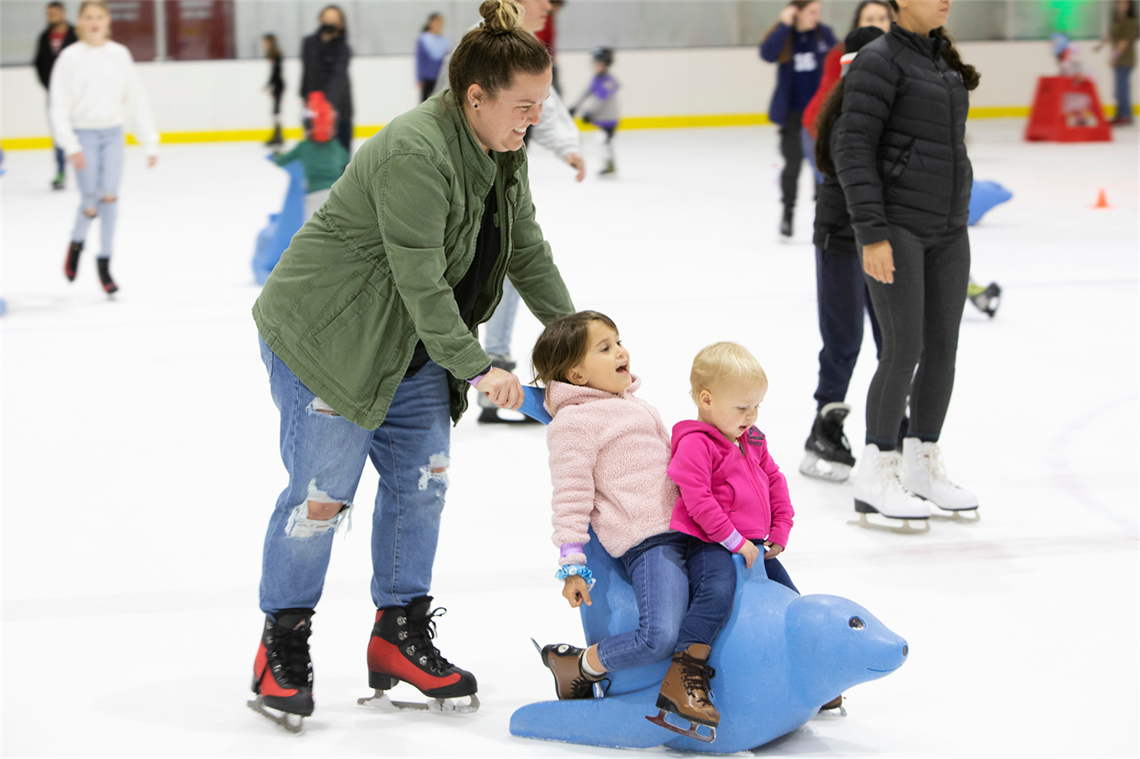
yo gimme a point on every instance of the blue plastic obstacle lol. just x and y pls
(984, 196)
(274, 238)
(778, 659)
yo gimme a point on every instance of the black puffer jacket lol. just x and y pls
(833, 232)
(899, 149)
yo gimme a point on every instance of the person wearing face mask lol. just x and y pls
(900, 156)
(798, 43)
(367, 330)
(558, 133)
(325, 56)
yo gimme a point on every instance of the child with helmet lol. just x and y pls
(599, 103)
(323, 157)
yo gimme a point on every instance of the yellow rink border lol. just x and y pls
(628, 123)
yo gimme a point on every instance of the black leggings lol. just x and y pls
(919, 315)
(427, 88)
(792, 148)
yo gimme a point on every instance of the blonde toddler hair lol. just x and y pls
(719, 362)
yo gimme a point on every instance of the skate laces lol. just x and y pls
(695, 676)
(833, 433)
(291, 651)
(422, 633)
(892, 466)
(932, 461)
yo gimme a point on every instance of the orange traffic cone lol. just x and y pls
(1102, 201)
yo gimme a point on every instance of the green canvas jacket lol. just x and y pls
(372, 272)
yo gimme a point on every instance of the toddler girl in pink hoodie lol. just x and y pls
(609, 455)
(733, 496)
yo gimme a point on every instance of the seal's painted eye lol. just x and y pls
(856, 623)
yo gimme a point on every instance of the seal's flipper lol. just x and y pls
(611, 722)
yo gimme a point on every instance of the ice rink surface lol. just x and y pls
(140, 462)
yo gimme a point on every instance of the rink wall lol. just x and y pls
(205, 101)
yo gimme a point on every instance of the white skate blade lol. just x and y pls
(904, 529)
(291, 722)
(958, 515)
(831, 471)
(434, 705)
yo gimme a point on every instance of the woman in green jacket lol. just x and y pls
(368, 332)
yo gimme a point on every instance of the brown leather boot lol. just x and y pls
(685, 692)
(565, 663)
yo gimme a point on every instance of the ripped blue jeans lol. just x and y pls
(325, 455)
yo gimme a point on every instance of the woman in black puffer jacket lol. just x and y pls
(900, 156)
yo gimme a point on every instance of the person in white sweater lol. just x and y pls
(557, 132)
(95, 89)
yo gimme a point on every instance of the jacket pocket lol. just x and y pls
(896, 169)
(346, 339)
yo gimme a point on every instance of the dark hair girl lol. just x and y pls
(367, 329)
(275, 86)
(900, 155)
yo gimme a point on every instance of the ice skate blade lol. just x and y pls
(294, 723)
(691, 732)
(904, 529)
(959, 516)
(433, 705)
(829, 471)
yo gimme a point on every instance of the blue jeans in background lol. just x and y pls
(325, 456)
(841, 299)
(498, 329)
(808, 143)
(99, 179)
(1123, 76)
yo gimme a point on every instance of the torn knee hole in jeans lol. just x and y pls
(436, 470)
(318, 514)
(320, 407)
(90, 213)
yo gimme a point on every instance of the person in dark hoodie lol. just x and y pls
(798, 43)
(900, 155)
(58, 35)
(325, 56)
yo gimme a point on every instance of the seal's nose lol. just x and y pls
(905, 649)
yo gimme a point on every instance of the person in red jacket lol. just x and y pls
(869, 13)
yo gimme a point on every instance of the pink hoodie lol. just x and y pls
(728, 494)
(608, 459)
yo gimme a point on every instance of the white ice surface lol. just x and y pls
(140, 463)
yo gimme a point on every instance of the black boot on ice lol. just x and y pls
(71, 263)
(109, 285)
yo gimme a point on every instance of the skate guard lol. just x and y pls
(832, 471)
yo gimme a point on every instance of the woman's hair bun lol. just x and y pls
(501, 16)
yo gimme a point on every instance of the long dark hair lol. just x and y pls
(859, 11)
(274, 51)
(970, 75)
(824, 122)
(786, 53)
(1130, 13)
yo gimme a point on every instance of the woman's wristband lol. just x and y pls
(479, 377)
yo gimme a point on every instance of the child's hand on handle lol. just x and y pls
(772, 550)
(749, 551)
(502, 388)
(879, 261)
(576, 591)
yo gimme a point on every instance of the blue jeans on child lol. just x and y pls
(99, 179)
(1122, 76)
(684, 588)
(325, 456)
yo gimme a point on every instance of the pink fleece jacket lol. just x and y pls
(608, 460)
(728, 494)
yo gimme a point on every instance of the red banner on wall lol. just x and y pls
(199, 29)
(132, 24)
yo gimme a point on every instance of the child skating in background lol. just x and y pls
(609, 455)
(734, 499)
(323, 156)
(599, 103)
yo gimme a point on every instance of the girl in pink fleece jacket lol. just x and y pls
(609, 455)
(733, 496)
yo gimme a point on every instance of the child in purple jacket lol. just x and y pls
(733, 496)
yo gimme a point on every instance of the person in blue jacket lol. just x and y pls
(798, 43)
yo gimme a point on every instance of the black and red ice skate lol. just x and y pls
(71, 262)
(401, 650)
(282, 671)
